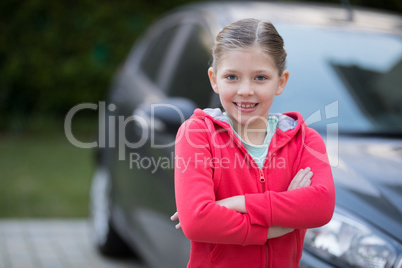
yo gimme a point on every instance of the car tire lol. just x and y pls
(104, 235)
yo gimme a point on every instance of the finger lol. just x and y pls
(303, 174)
(294, 184)
(178, 226)
(300, 175)
(306, 180)
(174, 217)
(295, 180)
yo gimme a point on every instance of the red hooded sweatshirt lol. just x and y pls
(212, 164)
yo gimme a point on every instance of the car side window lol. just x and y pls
(189, 78)
(156, 51)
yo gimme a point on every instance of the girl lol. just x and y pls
(245, 191)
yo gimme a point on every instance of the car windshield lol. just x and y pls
(349, 77)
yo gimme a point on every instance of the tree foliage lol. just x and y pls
(56, 54)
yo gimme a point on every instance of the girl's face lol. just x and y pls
(247, 81)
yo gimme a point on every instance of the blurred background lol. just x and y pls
(55, 55)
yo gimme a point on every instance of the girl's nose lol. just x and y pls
(245, 89)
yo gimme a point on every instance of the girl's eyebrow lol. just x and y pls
(263, 71)
(266, 70)
(229, 70)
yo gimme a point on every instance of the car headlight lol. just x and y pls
(347, 241)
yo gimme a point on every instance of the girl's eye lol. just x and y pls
(261, 77)
(231, 77)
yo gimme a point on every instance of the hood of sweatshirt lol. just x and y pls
(288, 123)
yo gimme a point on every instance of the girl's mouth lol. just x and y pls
(246, 105)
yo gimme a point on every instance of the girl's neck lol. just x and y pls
(253, 134)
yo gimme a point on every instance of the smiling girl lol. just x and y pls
(248, 193)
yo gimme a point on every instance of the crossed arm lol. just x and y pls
(237, 203)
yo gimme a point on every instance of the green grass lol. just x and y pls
(43, 175)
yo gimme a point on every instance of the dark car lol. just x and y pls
(345, 78)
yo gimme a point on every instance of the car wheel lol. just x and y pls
(105, 237)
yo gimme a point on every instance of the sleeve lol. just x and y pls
(303, 208)
(201, 219)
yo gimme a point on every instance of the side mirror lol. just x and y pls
(168, 114)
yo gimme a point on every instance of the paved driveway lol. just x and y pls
(52, 244)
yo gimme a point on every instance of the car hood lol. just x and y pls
(368, 180)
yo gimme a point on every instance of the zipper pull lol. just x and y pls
(262, 179)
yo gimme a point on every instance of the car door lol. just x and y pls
(169, 81)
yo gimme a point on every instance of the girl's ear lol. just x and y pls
(282, 82)
(212, 79)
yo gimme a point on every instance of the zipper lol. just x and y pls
(262, 180)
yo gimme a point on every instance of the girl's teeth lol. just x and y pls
(246, 105)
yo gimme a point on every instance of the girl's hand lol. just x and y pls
(273, 232)
(236, 203)
(175, 217)
(277, 231)
(302, 179)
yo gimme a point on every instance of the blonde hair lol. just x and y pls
(248, 33)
